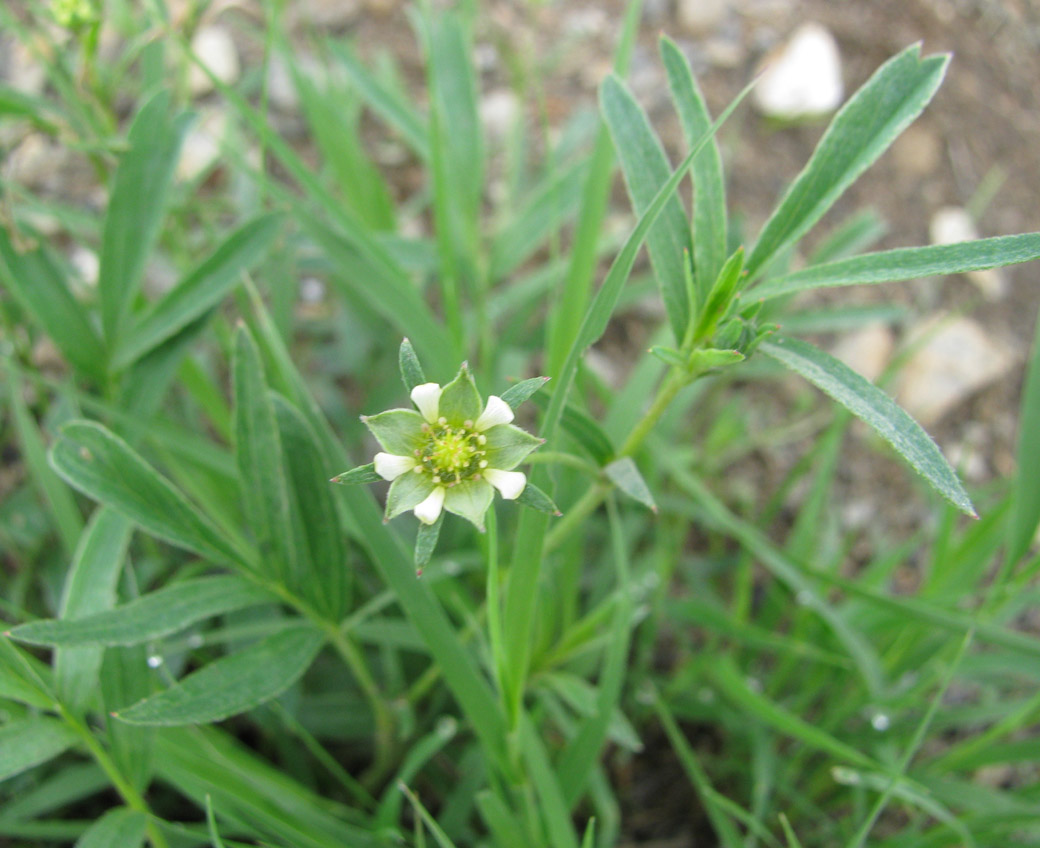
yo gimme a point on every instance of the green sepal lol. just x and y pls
(729, 334)
(470, 500)
(711, 357)
(361, 474)
(720, 298)
(411, 371)
(460, 400)
(624, 474)
(507, 446)
(399, 431)
(669, 356)
(535, 498)
(406, 492)
(425, 542)
(516, 395)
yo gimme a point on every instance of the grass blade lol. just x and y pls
(201, 290)
(232, 684)
(37, 283)
(118, 828)
(646, 169)
(137, 207)
(1026, 510)
(907, 263)
(709, 186)
(90, 587)
(106, 468)
(871, 405)
(27, 743)
(151, 616)
(861, 131)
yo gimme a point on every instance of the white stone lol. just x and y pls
(698, 17)
(216, 50)
(951, 225)
(24, 71)
(499, 110)
(87, 265)
(803, 77)
(866, 350)
(955, 359)
(201, 148)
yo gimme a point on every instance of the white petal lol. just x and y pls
(430, 509)
(390, 467)
(497, 411)
(509, 483)
(427, 397)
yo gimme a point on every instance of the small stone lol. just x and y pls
(699, 17)
(201, 148)
(866, 350)
(951, 225)
(87, 265)
(23, 70)
(955, 360)
(499, 111)
(916, 152)
(216, 50)
(802, 78)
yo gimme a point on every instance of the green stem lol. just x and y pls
(593, 497)
(494, 618)
(384, 740)
(131, 796)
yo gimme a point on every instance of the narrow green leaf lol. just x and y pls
(201, 290)
(321, 579)
(37, 283)
(90, 588)
(62, 504)
(624, 474)
(545, 211)
(232, 684)
(211, 824)
(137, 206)
(870, 404)
(411, 371)
(565, 319)
(518, 393)
(646, 170)
(551, 797)
(724, 288)
(727, 833)
(709, 186)
(118, 828)
(1026, 511)
(25, 679)
(853, 235)
(907, 263)
(395, 109)
(107, 469)
(861, 131)
(151, 616)
(261, 469)
(31, 741)
(333, 112)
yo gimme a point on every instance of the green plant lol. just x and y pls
(495, 693)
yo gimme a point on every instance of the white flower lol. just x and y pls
(497, 411)
(429, 510)
(509, 483)
(390, 467)
(427, 398)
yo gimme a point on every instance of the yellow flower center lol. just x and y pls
(451, 454)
